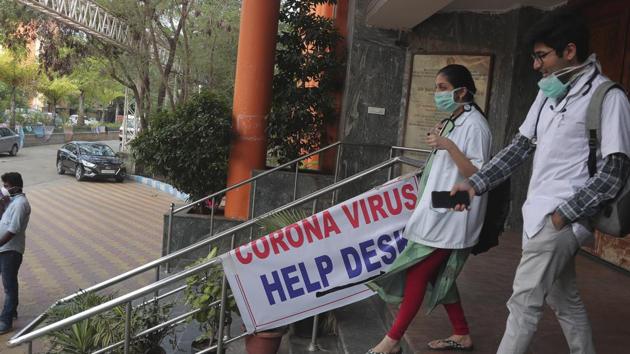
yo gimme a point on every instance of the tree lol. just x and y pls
(18, 73)
(210, 46)
(199, 39)
(57, 89)
(306, 75)
(190, 146)
(94, 85)
(17, 25)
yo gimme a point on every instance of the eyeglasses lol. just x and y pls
(539, 57)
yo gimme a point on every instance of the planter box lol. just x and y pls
(190, 228)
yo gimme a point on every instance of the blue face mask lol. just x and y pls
(552, 87)
(445, 101)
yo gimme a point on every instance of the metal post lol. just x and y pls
(29, 349)
(222, 306)
(337, 162)
(295, 180)
(128, 326)
(390, 170)
(169, 234)
(123, 144)
(212, 222)
(312, 347)
(157, 278)
(252, 212)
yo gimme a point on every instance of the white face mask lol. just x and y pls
(5, 192)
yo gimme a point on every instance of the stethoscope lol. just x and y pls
(446, 123)
(588, 85)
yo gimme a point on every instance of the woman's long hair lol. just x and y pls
(459, 76)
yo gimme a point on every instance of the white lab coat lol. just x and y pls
(443, 228)
(560, 162)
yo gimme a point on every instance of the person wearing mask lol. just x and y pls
(439, 240)
(562, 194)
(13, 225)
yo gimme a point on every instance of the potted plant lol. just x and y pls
(108, 327)
(90, 334)
(149, 316)
(203, 289)
(268, 342)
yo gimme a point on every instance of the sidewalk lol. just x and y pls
(485, 285)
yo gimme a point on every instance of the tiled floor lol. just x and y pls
(485, 285)
(83, 233)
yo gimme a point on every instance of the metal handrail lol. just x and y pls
(21, 338)
(252, 179)
(108, 305)
(404, 148)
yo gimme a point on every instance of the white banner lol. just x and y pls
(320, 263)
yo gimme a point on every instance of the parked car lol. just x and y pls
(88, 159)
(9, 141)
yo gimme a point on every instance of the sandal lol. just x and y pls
(373, 352)
(450, 345)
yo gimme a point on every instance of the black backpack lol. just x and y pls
(497, 211)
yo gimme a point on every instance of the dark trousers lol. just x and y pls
(10, 262)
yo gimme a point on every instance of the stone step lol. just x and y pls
(362, 325)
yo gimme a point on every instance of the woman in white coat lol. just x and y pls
(440, 240)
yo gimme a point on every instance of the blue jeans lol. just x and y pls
(10, 262)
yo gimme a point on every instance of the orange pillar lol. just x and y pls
(339, 14)
(252, 98)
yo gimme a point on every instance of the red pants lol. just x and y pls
(416, 281)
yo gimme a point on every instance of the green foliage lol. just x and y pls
(90, 77)
(58, 89)
(17, 70)
(17, 26)
(106, 328)
(213, 40)
(148, 316)
(281, 219)
(19, 75)
(305, 79)
(90, 334)
(203, 289)
(188, 147)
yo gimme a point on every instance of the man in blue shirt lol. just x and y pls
(12, 243)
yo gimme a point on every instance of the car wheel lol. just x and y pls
(78, 173)
(14, 150)
(60, 169)
(119, 179)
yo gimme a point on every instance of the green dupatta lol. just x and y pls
(390, 286)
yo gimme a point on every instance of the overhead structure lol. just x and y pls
(88, 17)
(95, 20)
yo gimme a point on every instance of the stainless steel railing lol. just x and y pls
(30, 333)
(253, 181)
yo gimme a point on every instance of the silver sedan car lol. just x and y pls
(9, 141)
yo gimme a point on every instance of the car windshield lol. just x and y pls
(96, 150)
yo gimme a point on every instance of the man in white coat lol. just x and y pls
(562, 194)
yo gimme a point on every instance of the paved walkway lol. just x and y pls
(485, 285)
(81, 233)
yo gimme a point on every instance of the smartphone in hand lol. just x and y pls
(448, 201)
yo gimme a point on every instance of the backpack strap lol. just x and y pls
(594, 119)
